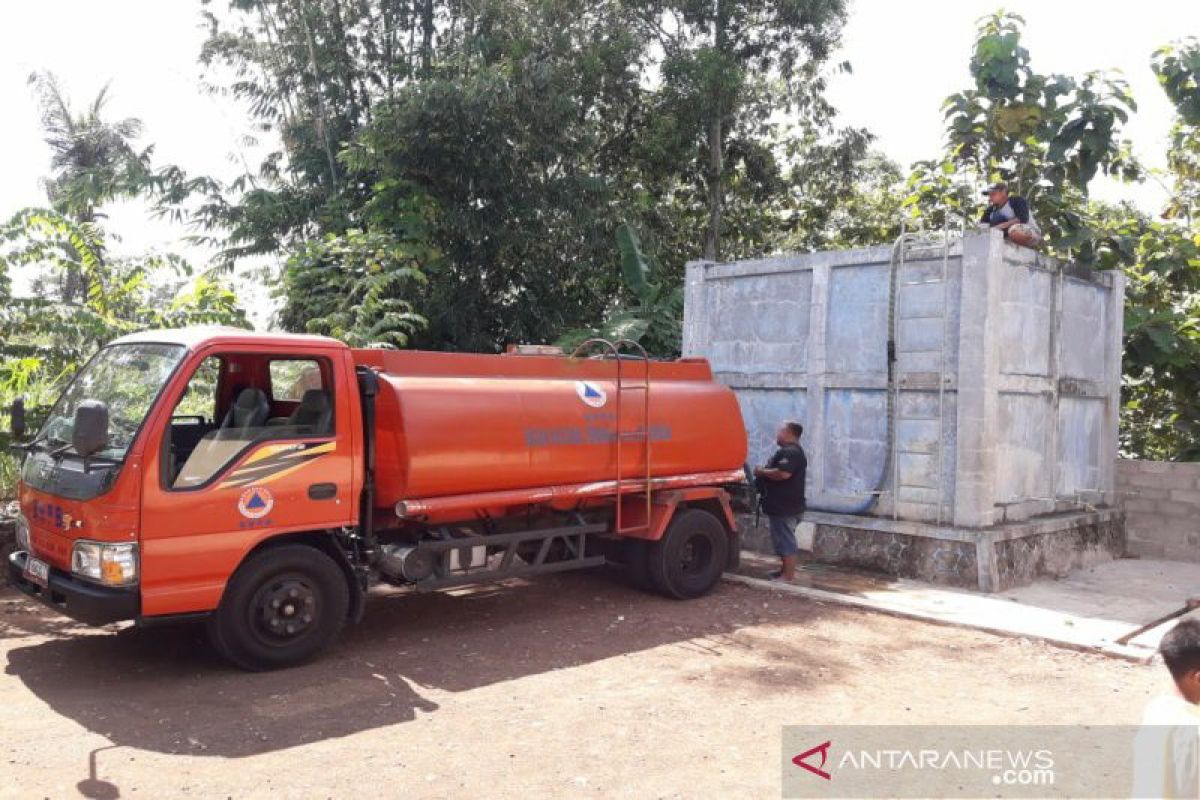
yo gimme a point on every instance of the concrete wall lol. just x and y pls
(1162, 509)
(1007, 374)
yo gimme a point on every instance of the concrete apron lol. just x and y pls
(990, 559)
(1088, 609)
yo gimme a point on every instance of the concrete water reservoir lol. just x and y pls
(997, 421)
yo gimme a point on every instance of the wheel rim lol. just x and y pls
(284, 609)
(695, 556)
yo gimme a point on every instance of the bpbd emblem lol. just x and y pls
(591, 394)
(256, 502)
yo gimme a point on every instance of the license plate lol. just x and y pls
(37, 571)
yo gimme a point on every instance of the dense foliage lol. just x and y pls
(1162, 258)
(653, 319)
(520, 136)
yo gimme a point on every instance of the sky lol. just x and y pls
(146, 50)
(906, 58)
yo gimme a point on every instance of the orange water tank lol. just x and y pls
(454, 424)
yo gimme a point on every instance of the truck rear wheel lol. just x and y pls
(283, 606)
(690, 557)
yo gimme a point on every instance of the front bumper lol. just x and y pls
(86, 602)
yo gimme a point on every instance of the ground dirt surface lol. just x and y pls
(570, 686)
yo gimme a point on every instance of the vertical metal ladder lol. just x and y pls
(921, 239)
(614, 350)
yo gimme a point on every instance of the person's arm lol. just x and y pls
(987, 215)
(782, 470)
(772, 474)
(1008, 223)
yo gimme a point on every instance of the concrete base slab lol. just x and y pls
(989, 559)
(1089, 609)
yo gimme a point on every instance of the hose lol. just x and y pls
(885, 472)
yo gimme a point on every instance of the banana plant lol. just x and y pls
(654, 319)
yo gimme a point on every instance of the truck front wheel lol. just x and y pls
(282, 607)
(688, 560)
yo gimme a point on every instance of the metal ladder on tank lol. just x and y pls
(906, 240)
(635, 351)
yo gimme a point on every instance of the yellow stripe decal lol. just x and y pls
(274, 461)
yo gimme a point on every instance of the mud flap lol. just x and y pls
(734, 560)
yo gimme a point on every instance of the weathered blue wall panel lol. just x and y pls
(1007, 373)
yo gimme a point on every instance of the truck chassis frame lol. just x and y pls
(573, 537)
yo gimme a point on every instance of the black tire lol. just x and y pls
(283, 606)
(689, 559)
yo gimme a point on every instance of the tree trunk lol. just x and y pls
(712, 240)
(426, 37)
(275, 43)
(389, 50)
(75, 285)
(318, 94)
(716, 147)
(349, 68)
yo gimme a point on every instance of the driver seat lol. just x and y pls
(314, 413)
(250, 410)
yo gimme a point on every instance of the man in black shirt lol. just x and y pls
(781, 484)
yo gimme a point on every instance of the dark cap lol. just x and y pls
(996, 187)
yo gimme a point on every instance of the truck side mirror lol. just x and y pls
(16, 418)
(90, 431)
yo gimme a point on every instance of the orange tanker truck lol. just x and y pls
(264, 482)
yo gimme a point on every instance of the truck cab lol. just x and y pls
(215, 440)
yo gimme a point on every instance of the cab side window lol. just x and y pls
(291, 378)
(298, 385)
(254, 400)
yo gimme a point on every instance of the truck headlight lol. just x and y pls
(112, 564)
(22, 532)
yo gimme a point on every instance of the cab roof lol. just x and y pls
(194, 337)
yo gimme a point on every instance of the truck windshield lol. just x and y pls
(127, 377)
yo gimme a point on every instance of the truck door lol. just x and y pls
(257, 444)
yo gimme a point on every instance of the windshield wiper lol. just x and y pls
(105, 460)
(29, 447)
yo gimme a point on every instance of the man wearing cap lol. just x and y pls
(1011, 214)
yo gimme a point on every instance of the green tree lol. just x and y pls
(353, 287)
(93, 160)
(522, 134)
(45, 339)
(517, 153)
(1177, 68)
(1047, 135)
(311, 73)
(500, 120)
(1162, 257)
(843, 197)
(729, 67)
